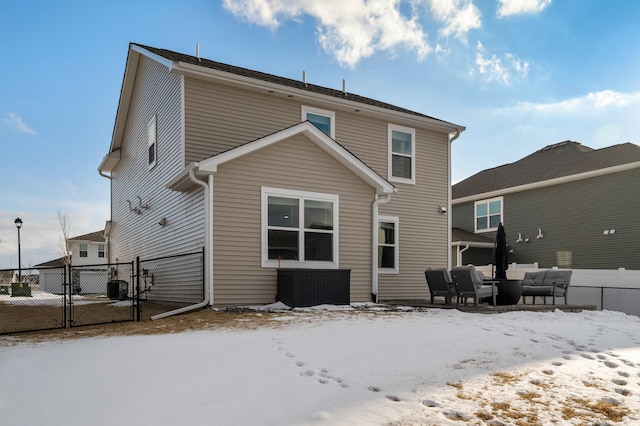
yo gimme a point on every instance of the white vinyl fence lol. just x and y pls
(614, 290)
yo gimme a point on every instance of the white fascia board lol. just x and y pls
(327, 101)
(545, 183)
(110, 161)
(475, 244)
(126, 92)
(182, 182)
(324, 142)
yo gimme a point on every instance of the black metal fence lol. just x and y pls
(60, 297)
(24, 306)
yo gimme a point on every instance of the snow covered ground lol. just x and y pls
(333, 367)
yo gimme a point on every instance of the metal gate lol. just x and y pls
(101, 294)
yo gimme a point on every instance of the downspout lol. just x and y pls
(374, 240)
(103, 175)
(459, 259)
(207, 256)
(449, 233)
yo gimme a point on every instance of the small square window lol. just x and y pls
(488, 214)
(322, 119)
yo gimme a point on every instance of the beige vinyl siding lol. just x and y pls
(156, 92)
(423, 236)
(219, 117)
(295, 164)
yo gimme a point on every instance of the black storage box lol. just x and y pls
(310, 287)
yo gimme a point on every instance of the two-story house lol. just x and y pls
(565, 205)
(87, 249)
(267, 172)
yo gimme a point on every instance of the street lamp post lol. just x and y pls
(18, 223)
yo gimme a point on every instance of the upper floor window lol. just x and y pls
(387, 244)
(151, 139)
(300, 229)
(322, 119)
(402, 154)
(101, 250)
(488, 214)
(84, 251)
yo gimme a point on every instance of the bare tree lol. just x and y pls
(64, 245)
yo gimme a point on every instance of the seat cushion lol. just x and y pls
(541, 290)
(560, 278)
(534, 278)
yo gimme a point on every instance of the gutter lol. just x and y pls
(208, 259)
(374, 239)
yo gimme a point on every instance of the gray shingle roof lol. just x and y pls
(553, 161)
(458, 234)
(95, 237)
(180, 57)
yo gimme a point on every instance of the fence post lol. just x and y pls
(138, 309)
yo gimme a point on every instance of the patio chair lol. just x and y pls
(469, 283)
(440, 284)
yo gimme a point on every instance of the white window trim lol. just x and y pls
(152, 139)
(396, 222)
(104, 250)
(86, 251)
(302, 195)
(412, 132)
(326, 113)
(475, 217)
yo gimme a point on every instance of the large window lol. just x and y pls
(388, 244)
(402, 154)
(488, 214)
(84, 250)
(152, 139)
(300, 229)
(322, 119)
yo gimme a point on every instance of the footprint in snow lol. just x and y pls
(619, 382)
(610, 364)
(567, 357)
(623, 374)
(374, 389)
(587, 356)
(392, 398)
(430, 403)
(556, 363)
(299, 363)
(623, 392)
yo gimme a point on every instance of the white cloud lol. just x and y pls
(348, 30)
(594, 101)
(459, 17)
(499, 69)
(14, 122)
(518, 7)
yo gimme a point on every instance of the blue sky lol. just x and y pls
(519, 74)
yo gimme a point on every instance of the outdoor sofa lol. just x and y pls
(551, 283)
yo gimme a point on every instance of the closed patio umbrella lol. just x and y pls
(500, 254)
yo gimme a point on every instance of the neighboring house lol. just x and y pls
(566, 205)
(87, 249)
(266, 172)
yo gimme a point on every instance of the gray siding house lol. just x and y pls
(566, 205)
(266, 172)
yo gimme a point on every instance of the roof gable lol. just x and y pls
(311, 132)
(94, 237)
(560, 160)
